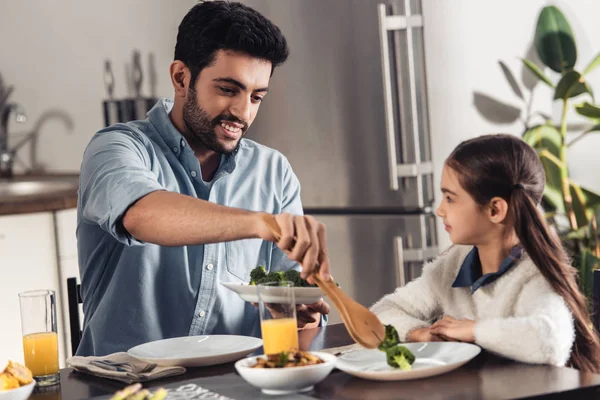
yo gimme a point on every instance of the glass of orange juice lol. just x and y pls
(278, 324)
(40, 337)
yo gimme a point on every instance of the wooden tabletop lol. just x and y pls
(485, 377)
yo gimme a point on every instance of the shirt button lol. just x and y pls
(182, 143)
(193, 173)
(202, 313)
(175, 149)
(209, 267)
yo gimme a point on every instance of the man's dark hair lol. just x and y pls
(220, 25)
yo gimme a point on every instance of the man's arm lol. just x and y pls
(173, 219)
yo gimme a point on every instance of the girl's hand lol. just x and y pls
(462, 330)
(422, 335)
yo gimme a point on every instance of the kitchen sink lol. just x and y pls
(41, 185)
(29, 188)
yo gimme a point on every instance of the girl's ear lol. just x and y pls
(497, 210)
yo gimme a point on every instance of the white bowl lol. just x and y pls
(21, 393)
(280, 381)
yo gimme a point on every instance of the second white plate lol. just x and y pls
(303, 295)
(431, 358)
(196, 351)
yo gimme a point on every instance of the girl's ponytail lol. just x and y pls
(546, 251)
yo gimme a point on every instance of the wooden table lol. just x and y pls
(485, 377)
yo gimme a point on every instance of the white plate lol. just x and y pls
(281, 381)
(196, 351)
(431, 358)
(303, 295)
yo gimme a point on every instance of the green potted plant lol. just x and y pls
(570, 208)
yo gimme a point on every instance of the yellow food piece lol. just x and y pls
(7, 381)
(19, 371)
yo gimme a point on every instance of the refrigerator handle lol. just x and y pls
(402, 170)
(399, 252)
(387, 97)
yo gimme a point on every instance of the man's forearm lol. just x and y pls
(172, 219)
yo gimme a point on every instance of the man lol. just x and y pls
(173, 205)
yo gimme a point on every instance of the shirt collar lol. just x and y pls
(159, 117)
(470, 273)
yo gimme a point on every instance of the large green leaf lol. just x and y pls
(537, 72)
(586, 263)
(544, 136)
(554, 40)
(588, 110)
(592, 65)
(570, 85)
(553, 198)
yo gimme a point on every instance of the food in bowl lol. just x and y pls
(282, 381)
(14, 376)
(288, 359)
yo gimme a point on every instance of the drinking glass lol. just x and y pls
(277, 306)
(40, 337)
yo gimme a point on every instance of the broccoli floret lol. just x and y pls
(391, 338)
(400, 357)
(292, 275)
(256, 274)
(273, 276)
(259, 275)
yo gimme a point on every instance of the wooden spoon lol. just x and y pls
(362, 325)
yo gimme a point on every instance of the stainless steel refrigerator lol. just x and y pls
(349, 111)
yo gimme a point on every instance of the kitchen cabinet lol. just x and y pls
(28, 261)
(66, 223)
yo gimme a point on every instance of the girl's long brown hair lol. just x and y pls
(505, 166)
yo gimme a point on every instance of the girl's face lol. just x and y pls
(466, 221)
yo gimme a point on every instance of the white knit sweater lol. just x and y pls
(518, 316)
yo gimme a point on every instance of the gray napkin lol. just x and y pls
(122, 367)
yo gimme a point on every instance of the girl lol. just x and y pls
(506, 284)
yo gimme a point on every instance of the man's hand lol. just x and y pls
(422, 335)
(309, 315)
(461, 330)
(303, 239)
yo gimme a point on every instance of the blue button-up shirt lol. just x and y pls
(136, 292)
(471, 275)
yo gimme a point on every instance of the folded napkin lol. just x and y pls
(122, 367)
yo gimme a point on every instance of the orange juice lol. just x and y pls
(279, 335)
(41, 353)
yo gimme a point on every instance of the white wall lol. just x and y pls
(465, 40)
(53, 53)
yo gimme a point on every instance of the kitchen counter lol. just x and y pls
(38, 193)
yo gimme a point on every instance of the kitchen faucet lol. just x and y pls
(7, 155)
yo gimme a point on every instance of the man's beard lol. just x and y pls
(201, 129)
